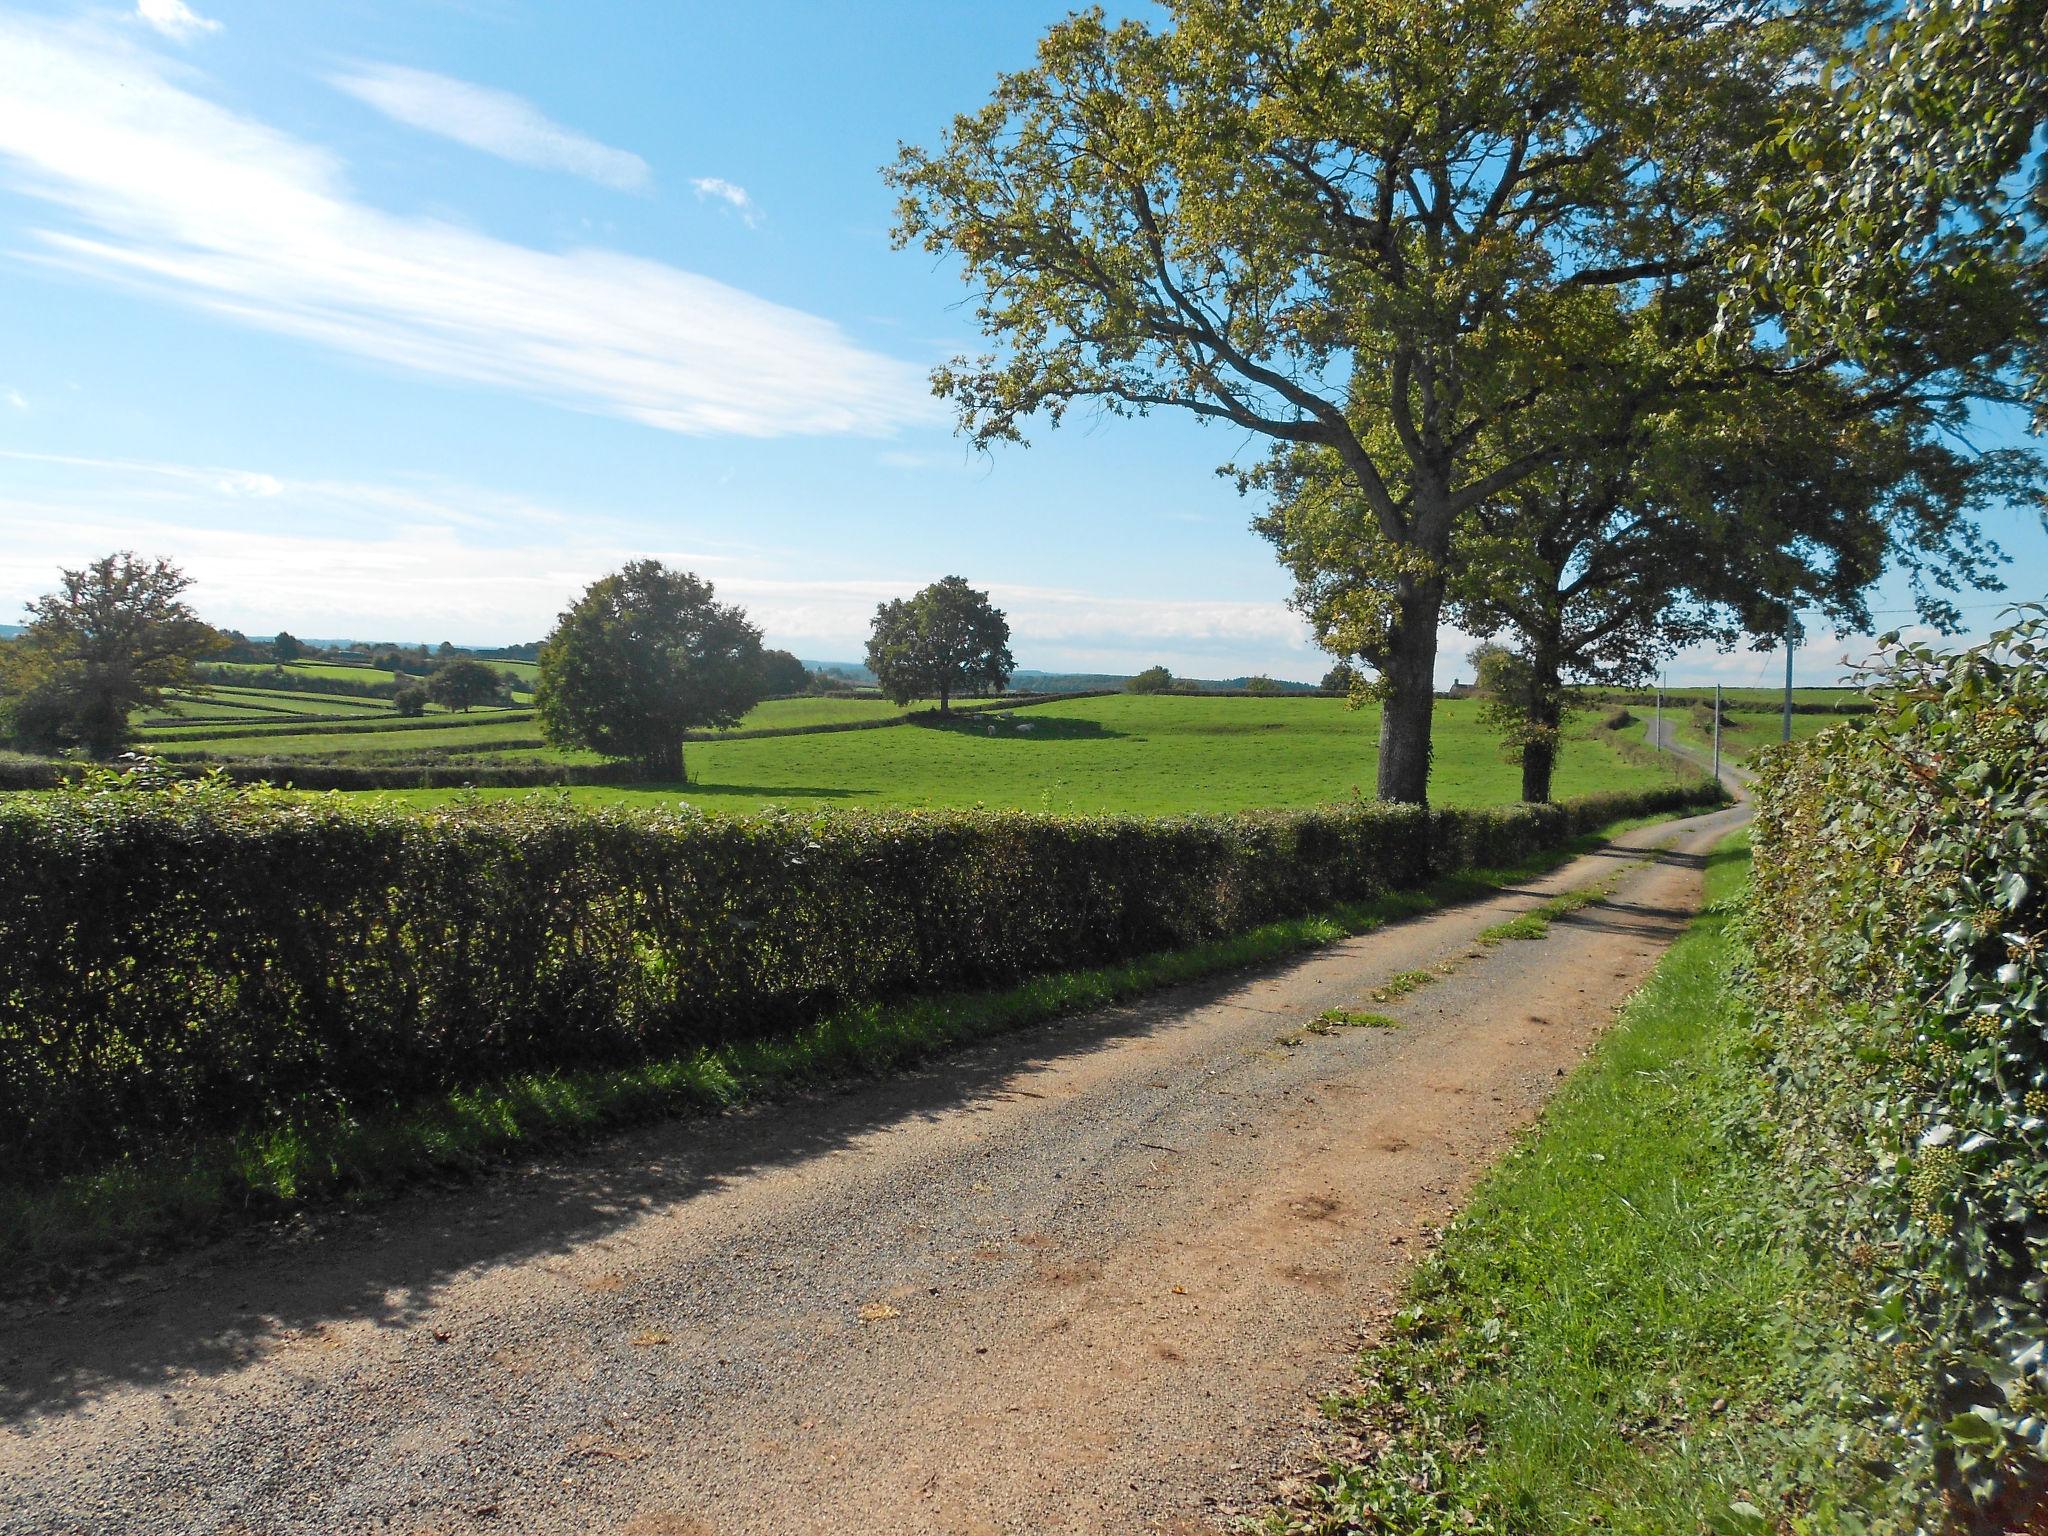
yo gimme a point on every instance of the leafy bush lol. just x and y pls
(1901, 936)
(197, 958)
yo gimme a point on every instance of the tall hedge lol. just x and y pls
(1900, 935)
(198, 958)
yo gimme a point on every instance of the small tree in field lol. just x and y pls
(947, 639)
(643, 656)
(460, 685)
(782, 673)
(286, 647)
(410, 700)
(108, 642)
(1343, 678)
(1151, 680)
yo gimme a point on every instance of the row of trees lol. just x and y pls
(644, 656)
(648, 654)
(1596, 328)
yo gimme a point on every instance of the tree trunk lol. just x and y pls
(1545, 714)
(1408, 694)
(1539, 761)
(665, 763)
(945, 696)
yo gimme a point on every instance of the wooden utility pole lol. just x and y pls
(1717, 733)
(1787, 733)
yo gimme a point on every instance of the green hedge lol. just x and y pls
(196, 959)
(1900, 934)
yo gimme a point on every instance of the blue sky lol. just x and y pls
(409, 317)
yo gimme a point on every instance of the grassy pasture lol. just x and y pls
(1755, 698)
(1747, 731)
(1125, 753)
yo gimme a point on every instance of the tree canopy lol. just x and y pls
(1151, 680)
(643, 656)
(1391, 233)
(782, 673)
(1915, 211)
(947, 639)
(108, 642)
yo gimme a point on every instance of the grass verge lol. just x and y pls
(1618, 1333)
(44, 1231)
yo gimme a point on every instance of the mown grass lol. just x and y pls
(272, 1171)
(1745, 732)
(1119, 754)
(1617, 1334)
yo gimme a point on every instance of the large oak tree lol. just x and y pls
(1364, 228)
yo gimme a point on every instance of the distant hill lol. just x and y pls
(9, 629)
(1031, 680)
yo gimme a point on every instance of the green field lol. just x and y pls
(1140, 755)
(1745, 731)
(1758, 698)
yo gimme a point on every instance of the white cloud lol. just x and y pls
(17, 399)
(496, 122)
(729, 193)
(433, 559)
(175, 19)
(168, 193)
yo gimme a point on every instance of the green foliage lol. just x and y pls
(409, 701)
(109, 642)
(947, 639)
(1901, 940)
(197, 959)
(286, 647)
(1915, 221)
(463, 684)
(643, 656)
(1151, 680)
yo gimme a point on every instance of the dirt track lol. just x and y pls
(1089, 1278)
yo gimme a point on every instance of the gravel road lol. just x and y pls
(1089, 1278)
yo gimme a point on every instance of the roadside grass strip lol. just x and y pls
(1354, 1018)
(1618, 1333)
(1535, 923)
(267, 1173)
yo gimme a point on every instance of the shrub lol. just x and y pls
(197, 959)
(410, 701)
(1900, 931)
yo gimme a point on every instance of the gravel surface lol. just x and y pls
(1092, 1277)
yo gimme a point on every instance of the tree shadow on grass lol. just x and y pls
(1030, 725)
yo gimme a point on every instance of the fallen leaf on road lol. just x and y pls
(878, 1312)
(649, 1339)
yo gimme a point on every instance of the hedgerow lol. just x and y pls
(194, 958)
(1900, 933)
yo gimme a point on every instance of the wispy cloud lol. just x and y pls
(734, 196)
(175, 19)
(167, 192)
(496, 122)
(17, 399)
